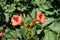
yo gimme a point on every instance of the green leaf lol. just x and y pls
(49, 35)
(18, 34)
(3, 38)
(55, 27)
(11, 8)
(2, 3)
(16, 0)
(49, 13)
(36, 38)
(5, 7)
(22, 31)
(38, 2)
(33, 13)
(42, 8)
(51, 0)
(6, 17)
(39, 31)
(13, 33)
(48, 21)
(22, 8)
(12, 39)
(1, 27)
(7, 33)
(48, 4)
(7, 30)
(33, 30)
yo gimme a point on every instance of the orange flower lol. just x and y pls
(1, 34)
(16, 20)
(40, 17)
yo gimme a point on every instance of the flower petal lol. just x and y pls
(40, 17)
(16, 20)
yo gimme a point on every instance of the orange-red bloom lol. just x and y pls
(40, 17)
(1, 34)
(16, 20)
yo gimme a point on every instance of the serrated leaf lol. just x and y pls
(7, 35)
(33, 30)
(33, 13)
(5, 7)
(22, 31)
(2, 3)
(55, 27)
(48, 4)
(13, 33)
(11, 8)
(7, 30)
(49, 35)
(48, 21)
(49, 13)
(42, 8)
(18, 34)
(38, 2)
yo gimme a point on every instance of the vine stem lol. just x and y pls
(25, 25)
(33, 22)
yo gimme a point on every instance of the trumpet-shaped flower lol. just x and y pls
(16, 20)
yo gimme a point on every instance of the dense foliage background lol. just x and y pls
(27, 9)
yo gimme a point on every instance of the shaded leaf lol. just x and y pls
(49, 35)
(55, 27)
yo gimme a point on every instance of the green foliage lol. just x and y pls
(49, 35)
(27, 9)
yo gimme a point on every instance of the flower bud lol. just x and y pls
(1, 34)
